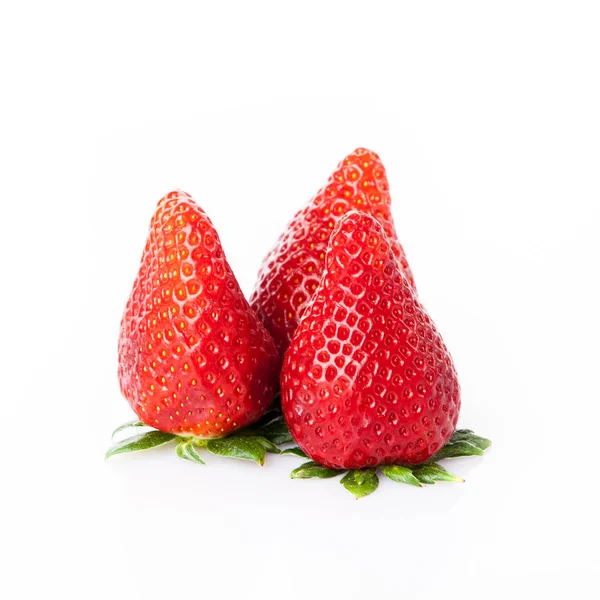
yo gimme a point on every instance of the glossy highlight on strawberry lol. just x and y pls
(291, 271)
(194, 359)
(367, 379)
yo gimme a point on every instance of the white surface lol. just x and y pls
(487, 120)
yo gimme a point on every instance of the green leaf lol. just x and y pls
(313, 469)
(360, 482)
(463, 443)
(143, 441)
(247, 448)
(295, 451)
(430, 473)
(276, 431)
(185, 449)
(266, 444)
(400, 473)
(134, 423)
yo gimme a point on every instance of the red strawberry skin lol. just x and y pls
(367, 379)
(193, 357)
(291, 271)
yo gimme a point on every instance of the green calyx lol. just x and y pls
(256, 441)
(250, 443)
(362, 482)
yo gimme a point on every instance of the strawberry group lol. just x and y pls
(366, 381)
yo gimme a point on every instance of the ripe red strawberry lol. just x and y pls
(291, 271)
(194, 359)
(367, 379)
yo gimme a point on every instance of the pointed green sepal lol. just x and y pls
(143, 441)
(134, 423)
(401, 474)
(360, 482)
(276, 431)
(463, 443)
(267, 444)
(244, 447)
(186, 451)
(313, 469)
(432, 472)
(295, 451)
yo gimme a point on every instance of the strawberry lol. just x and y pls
(367, 379)
(194, 359)
(291, 271)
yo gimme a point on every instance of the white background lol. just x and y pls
(487, 117)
